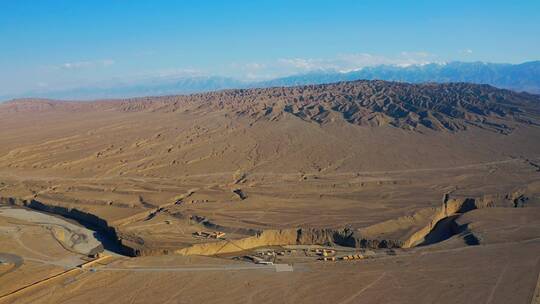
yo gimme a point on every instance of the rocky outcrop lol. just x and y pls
(297, 236)
(446, 106)
(201, 220)
(403, 232)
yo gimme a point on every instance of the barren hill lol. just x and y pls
(452, 106)
(341, 127)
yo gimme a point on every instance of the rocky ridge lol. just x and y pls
(442, 107)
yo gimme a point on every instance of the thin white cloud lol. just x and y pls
(356, 61)
(466, 52)
(250, 71)
(340, 63)
(173, 73)
(107, 62)
(255, 66)
(86, 64)
(305, 63)
(247, 71)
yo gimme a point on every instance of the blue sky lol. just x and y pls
(52, 45)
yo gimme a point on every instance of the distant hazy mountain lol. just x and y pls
(147, 87)
(151, 87)
(518, 77)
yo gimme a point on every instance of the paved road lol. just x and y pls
(275, 267)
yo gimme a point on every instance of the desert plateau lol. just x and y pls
(365, 191)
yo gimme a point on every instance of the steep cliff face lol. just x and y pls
(124, 244)
(402, 232)
(412, 230)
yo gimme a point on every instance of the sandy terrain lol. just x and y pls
(489, 273)
(71, 236)
(436, 185)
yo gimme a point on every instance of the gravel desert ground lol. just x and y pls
(354, 192)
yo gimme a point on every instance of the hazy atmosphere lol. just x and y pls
(51, 46)
(321, 152)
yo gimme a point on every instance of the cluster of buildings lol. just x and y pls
(209, 235)
(268, 256)
(330, 255)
